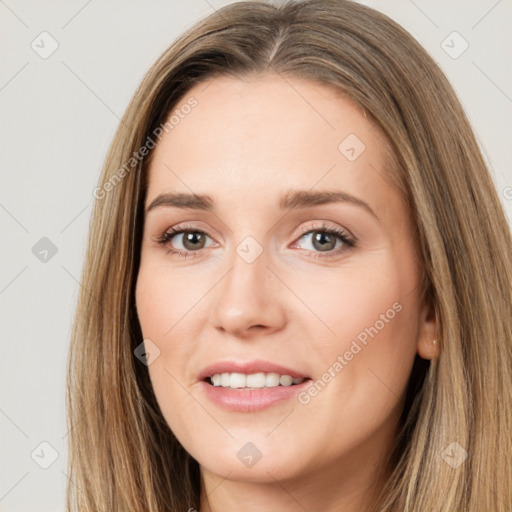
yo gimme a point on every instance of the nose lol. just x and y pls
(249, 300)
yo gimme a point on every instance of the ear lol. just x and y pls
(428, 344)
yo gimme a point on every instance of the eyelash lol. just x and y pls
(348, 242)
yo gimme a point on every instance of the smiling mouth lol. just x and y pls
(253, 381)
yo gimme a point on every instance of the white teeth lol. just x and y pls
(253, 380)
(237, 380)
(285, 380)
(272, 380)
(225, 379)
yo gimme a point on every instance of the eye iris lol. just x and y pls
(320, 237)
(191, 237)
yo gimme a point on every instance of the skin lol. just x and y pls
(246, 143)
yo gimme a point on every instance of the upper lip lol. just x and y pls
(248, 367)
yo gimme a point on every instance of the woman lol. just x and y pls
(297, 291)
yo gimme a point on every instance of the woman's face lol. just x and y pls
(297, 261)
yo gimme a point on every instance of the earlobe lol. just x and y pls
(428, 349)
(428, 342)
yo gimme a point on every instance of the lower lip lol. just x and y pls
(250, 400)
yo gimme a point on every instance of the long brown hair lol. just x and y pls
(123, 456)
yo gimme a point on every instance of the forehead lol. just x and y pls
(255, 136)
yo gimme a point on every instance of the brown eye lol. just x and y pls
(193, 240)
(184, 241)
(323, 241)
(327, 240)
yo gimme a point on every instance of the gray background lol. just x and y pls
(58, 115)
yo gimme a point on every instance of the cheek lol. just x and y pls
(364, 303)
(364, 351)
(165, 301)
(164, 310)
(169, 313)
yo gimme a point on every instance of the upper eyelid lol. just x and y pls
(180, 228)
(302, 231)
(325, 227)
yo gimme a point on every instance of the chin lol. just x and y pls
(267, 469)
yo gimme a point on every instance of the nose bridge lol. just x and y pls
(247, 297)
(249, 274)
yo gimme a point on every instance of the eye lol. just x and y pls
(326, 239)
(188, 240)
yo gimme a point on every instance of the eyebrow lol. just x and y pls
(291, 199)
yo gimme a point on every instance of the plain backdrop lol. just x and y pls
(58, 115)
